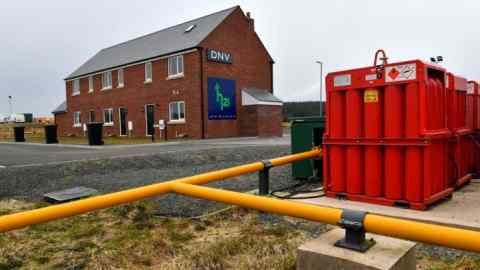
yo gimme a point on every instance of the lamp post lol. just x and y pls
(321, 87)
(10, 103)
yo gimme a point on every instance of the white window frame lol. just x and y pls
(77, 120)
(180, 119)
(110, 123)
(148, 77)
(120, 74)
(107, 80)
(90, 84)
(175, 66)
(76, 87)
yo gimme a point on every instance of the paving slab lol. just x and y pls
(462, 211)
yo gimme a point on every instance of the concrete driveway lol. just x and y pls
(29, 154)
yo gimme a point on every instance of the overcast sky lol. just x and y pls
(43, 41)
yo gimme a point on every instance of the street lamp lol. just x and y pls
(321, 87)
(10, 103)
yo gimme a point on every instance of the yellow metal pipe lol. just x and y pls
(23, 219)
(283, 207)
(409, 230)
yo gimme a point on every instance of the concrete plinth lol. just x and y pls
(387, 253)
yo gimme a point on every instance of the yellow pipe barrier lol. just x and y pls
(409, 230)
(42, 215)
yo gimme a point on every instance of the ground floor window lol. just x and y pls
(108, 117)
(92, 117)
(177, 111)
(76, 119)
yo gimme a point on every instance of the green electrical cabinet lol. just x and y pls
(306, 132)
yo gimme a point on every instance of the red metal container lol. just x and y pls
(461, 147)
(386, 140)
(473, 122)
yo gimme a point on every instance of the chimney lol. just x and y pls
(251, 21)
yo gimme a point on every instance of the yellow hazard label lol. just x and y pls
(370, 96)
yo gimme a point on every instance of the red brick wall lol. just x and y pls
(269, 121)
(251, 67)
(135, 95)
(261, 121)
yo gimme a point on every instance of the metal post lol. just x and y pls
(321, 87)
(353, 223)
(264, 178)
(10, 105)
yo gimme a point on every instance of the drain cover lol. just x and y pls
(69, 194)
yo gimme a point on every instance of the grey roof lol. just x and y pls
(262, 95)
(61, 108)
(163, 42)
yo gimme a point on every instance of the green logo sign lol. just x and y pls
(221, 99)
(224, 102)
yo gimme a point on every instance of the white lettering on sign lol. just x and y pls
(371, 77)
(342, 80)
(401, 73)
(219, 56)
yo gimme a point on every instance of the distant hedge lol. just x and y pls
(301, 109)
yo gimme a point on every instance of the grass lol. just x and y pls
(131, 237)
(84, 140)
(464, 263)
(34, 133)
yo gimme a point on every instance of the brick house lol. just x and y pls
(206, 78)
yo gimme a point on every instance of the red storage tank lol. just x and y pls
(386, 140)
(473, 121)
(461, 147)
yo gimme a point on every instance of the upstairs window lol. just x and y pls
(76, 87)
(175, 66)
(76, 119)
(107, 80)
(120, 78)
(108, 117)
(177, 111)
(90, 84)
(148, 72)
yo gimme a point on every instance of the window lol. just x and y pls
(108, 117)
(120, 78)
(107, 80)
(190, 28)
(175, 66)
(177, 111)
(76, 87)
(91, 116)
(76, 119)
(148, 72)
(90, 84)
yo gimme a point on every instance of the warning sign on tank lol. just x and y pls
(470, 89)
(370, 96)
(401, 73)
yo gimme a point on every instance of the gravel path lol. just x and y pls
(111, 175)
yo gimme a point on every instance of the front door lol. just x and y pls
(123, 121)
(150, 115)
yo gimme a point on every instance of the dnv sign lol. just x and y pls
(221, 99)
(219, 56)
